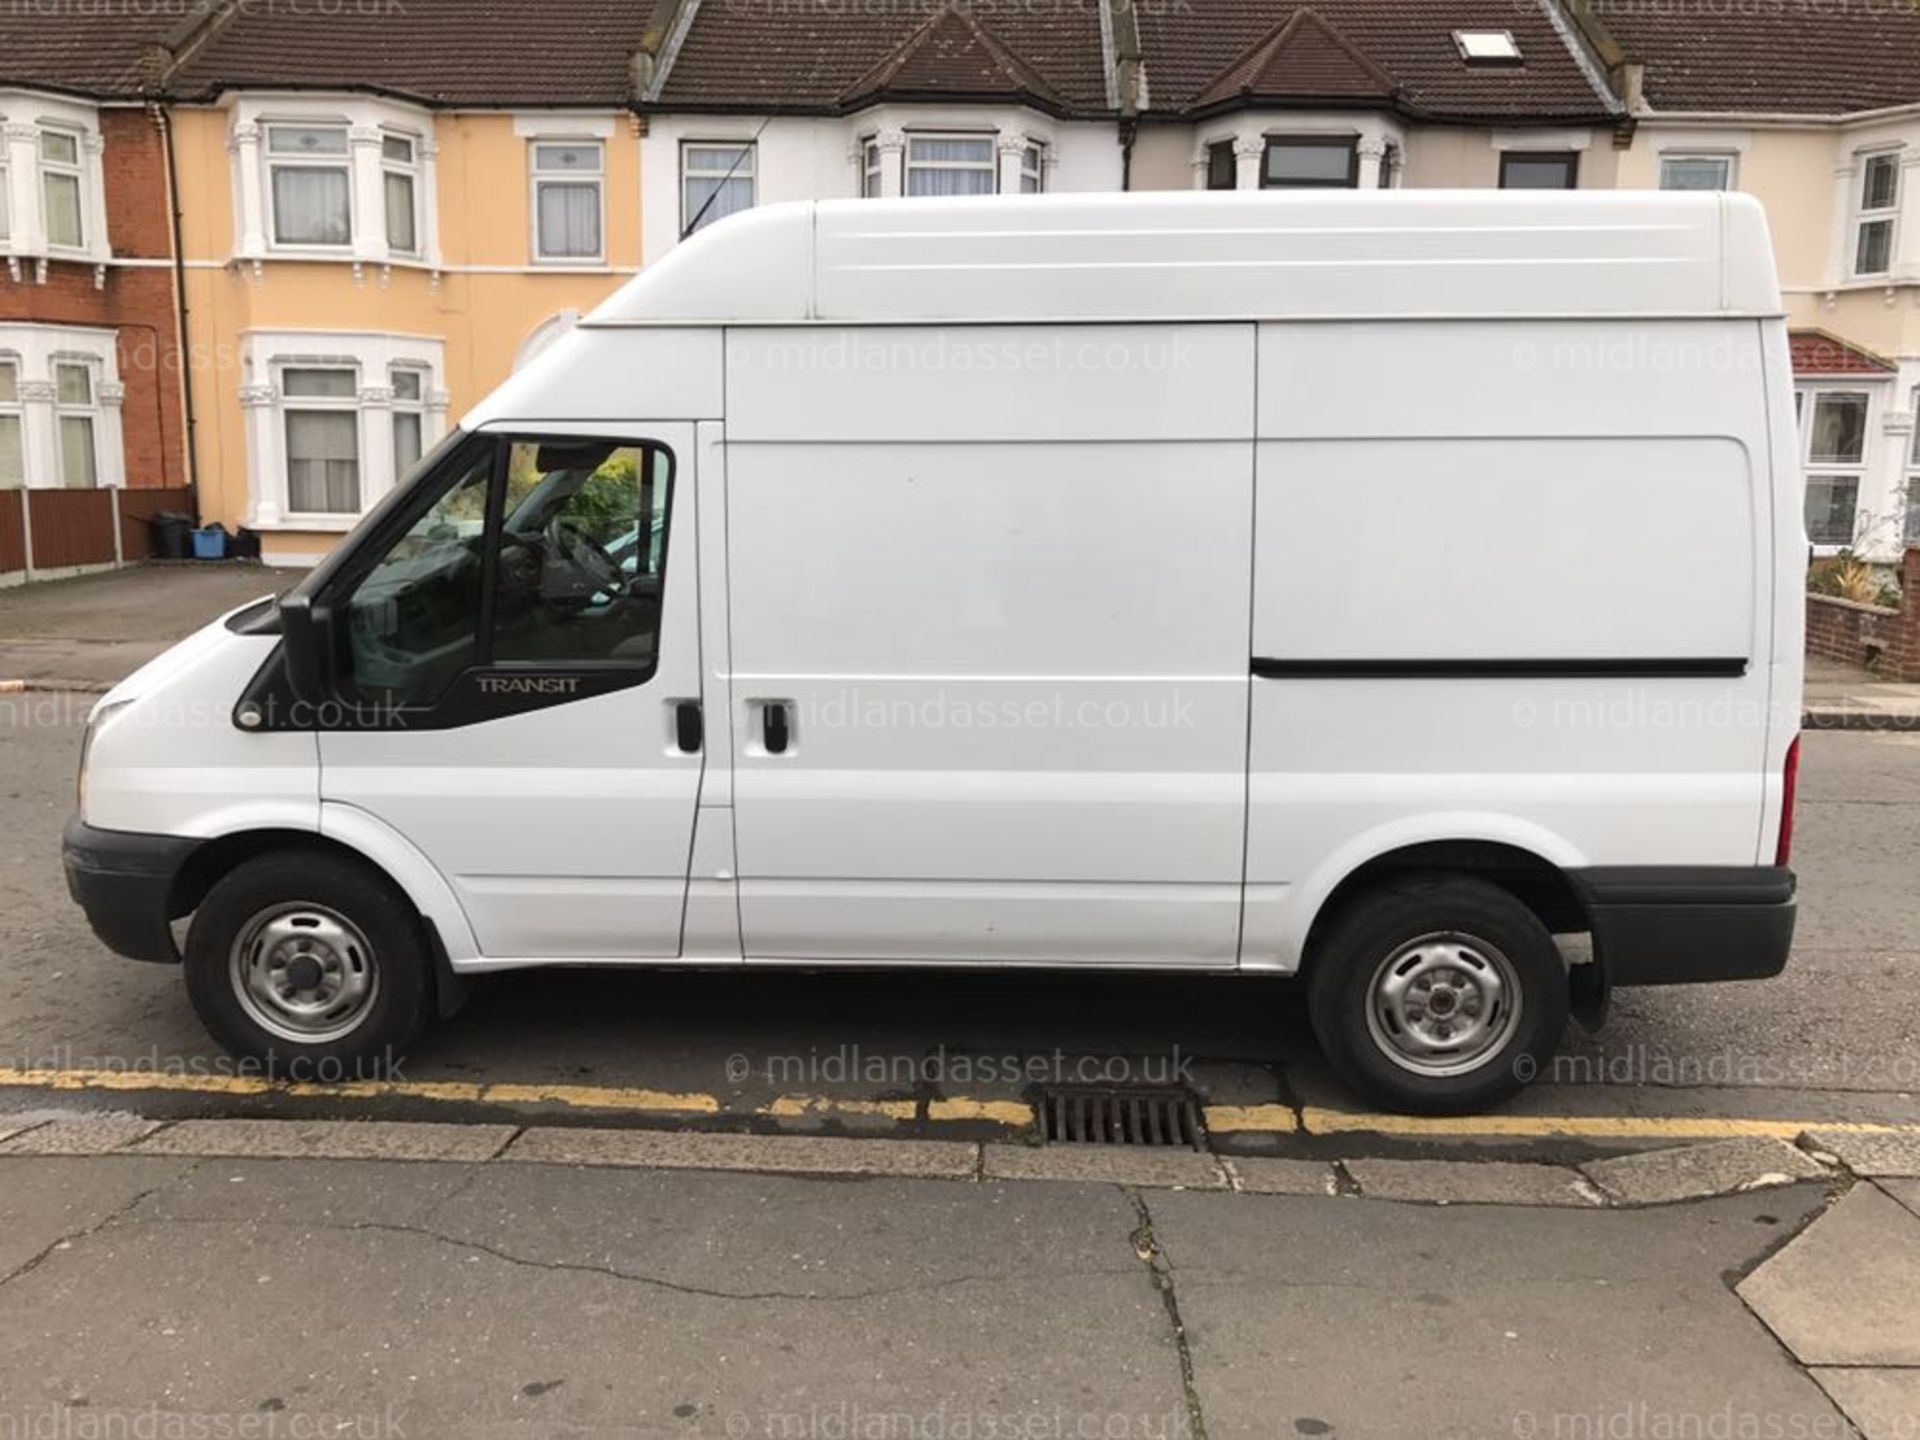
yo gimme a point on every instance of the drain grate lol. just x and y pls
(1119, 1115)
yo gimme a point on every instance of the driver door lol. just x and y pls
(517, 644)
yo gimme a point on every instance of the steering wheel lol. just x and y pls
(588, 556)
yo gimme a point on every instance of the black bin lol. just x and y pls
(170, 534)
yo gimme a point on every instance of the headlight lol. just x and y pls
(99, 717)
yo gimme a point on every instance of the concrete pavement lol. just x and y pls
(308, 1296)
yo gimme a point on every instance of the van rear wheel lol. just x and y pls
(1437, 994)
(312, 964)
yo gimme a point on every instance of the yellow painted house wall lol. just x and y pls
(482, 317)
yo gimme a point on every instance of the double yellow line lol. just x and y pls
(1310, 1120)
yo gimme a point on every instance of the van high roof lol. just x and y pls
(1198, 255)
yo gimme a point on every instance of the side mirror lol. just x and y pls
(306, 647)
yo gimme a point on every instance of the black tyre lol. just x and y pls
(1436, 994)
(312, 963)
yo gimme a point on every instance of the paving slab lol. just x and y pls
(1693, 1172)
(1847, 1290)
(773, 1154)
(1464, 1322)
(1277, 1175)
(1111, 1165)
(81, 1135)
(1882, 1404)
(1907, 1192)
(536, 1302)
(43, 1202)
(1472, 1182)
(1869, 1154)
(329, 1139)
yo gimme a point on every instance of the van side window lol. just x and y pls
(582, 548)
(412, 622)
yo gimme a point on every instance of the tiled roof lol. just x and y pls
(1303, 58)
(1190, 45)
(1815, 352)
(787, 55)
(953, 54)
(443, 52)
(98, 51)
(1795, 59)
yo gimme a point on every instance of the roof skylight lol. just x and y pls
(1487, 47)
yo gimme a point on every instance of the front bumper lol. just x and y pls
(123, 880)
(1681, 924)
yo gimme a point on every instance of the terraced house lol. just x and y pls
(361, 218)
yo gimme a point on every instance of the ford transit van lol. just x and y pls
(1370, 587)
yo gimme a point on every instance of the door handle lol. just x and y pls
(688, 728)
(773, 723)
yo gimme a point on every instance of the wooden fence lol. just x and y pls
(58, 530)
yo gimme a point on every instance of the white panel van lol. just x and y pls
(1368, 586)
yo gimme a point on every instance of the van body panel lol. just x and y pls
(564, 831)
(591, 375)
(994, 754)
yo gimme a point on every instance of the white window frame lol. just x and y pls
(350, 404)
(873, 168)
(342, 161)
(368, 123)
(749, 171)
(1811, 393)
(537, 177)
(35, 350)
(75, 170)
(990, 165)
(1888, 215)
(87, 410)
(27, 118)
(410, 169)
(14, 410)
(1728, 159)
(408, 405)
(1033, 167)
(265, 356)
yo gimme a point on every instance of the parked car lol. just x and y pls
(1369, 587)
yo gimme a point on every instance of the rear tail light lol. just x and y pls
(1790, 782)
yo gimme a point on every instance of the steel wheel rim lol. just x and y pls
(1443, 1004)
(304, 973)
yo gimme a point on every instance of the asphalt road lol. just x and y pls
(1836, 1037)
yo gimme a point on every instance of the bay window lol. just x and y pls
(73, 409)
(950, 165)
(399, 173)
(310, 181)
(1032, 168)
(63, 189)
(322, 419)
(409, 417)
(1311, 163)
(13, 458)
(1877, 206)
(1835, 422)
(870, 169)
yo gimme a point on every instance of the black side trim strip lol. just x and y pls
(1657, 667)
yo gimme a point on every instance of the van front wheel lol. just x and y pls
(1437, 995)
(310, 963)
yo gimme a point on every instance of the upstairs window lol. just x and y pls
(1539, 169)
(399, 174)
(1033, 159)
(1223, 169)
(13, 456)
(568, 199)
(716, 180)
(310, 182)
(1303, 163)
(1878, 206)
(62, 187)
(322, 420)
(1696, 172)
(870, 170)
(950, 165)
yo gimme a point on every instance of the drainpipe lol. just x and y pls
(165, 122)
(1129, 81)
